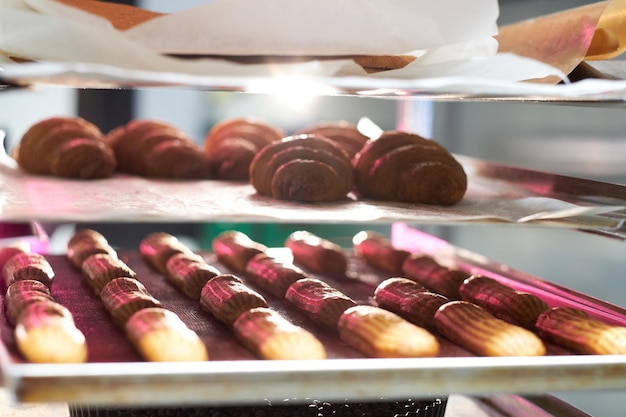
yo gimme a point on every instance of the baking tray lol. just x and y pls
(115, 375)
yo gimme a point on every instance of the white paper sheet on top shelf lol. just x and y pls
(91, 50)
(130, 198)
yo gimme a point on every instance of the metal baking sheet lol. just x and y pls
(611, 92)
(116, 375)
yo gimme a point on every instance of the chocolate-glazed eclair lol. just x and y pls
(22, 293)
(409, 300)
(31, 266)
(272, 275)
(227, 297)
(122, 297)
(317, 254)
(434, 276)
(159, 335)
(503, 302)
(270, 336)
(158, 247)
(189, 273)
(100, 268)
(474, 329)
(234, 249)
(378, 252)
(321, 302)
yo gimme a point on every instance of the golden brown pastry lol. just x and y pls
(270, 336)
(576, 330)
(342, 132)
(122, 297)
(22, 293)
(409, 300)
(378, 251)
(227, 297)
(232, 144)
(405, 167)
(304, 168)
(100, 268)
(189, 273)
(66, 147)
(321, 302)
(156, 248)
(272, 275)
(153, 148)
(382, 334)
(46, 333)
(234, 249)
(434, 276)
(516, 307)
(87, 242)
(31, 266)
(159, 335)
(317, 254)
(474, 329)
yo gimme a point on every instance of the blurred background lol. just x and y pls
(583, 141)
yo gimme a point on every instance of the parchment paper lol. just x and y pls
(441, 35)
(126, 198)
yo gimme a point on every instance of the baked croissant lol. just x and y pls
(405, 167)
(66, 147)
(152, 148)
(304, 168)
(343, 133)
(232, 144)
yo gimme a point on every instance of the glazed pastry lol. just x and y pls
(13, 249)
(317, 254)
(405, 167)
(67, 147)
(272, 275)
(226, 297)
(122, 297)
(156, 149)
(576, 330)
(31, 266)
(516, 307)
(232, 144)
(20, 294)
(343, 133)
(303, 168)
(271, 336)
(159, 335)
(189, 273)
(46, 333)
(321, 302)
(382, 334)
(434, 276)
(409, 300)
(234, 249)
(100, 268)
(158, 247)
(87, 242)
(378, 252)
(474, 329)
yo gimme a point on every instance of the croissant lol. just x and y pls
(305, 168)
(405, 167)
(68, 147)
(232, 144)
(343, 133)
(152, 148)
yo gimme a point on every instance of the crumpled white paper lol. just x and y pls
(125, 198)
(446, 43)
